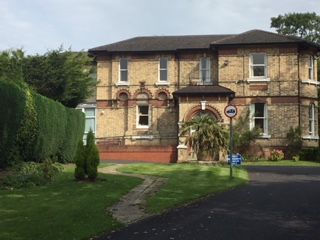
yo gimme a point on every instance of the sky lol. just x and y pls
(41, 25)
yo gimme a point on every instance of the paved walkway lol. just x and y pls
(278, 203)
(131, 207)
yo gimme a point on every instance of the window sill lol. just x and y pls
(182, 146)
(162, 83)
(265, 136)
(310, 137)
(142, 137)
(310, 81)
(122, 84)
(258, 80)
(142, 127)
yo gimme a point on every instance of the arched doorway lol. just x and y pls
(193, 113)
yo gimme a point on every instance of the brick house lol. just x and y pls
(148, 86)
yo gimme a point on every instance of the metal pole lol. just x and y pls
(231, 147)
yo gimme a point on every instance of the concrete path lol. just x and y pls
(279, 203)
(131, 207)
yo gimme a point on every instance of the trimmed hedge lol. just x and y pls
(310, 154)
(35, 128)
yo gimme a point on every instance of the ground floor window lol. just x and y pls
(259, 117)
(90, 120)
(143, 116)
(312, 120)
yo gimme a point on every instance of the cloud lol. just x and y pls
(39, 25)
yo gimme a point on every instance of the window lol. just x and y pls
(123, 70)
(143, 118)
(258, 65)
(312, 120)
(259, 117)
(311, 68)
(205, 70)
(90, 120)
(163, 70)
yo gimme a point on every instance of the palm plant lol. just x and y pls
(204, 136)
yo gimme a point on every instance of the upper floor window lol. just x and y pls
(312, 120)
(163, 70)
(311, 68)
(259, 117)
(123, 70)
(205, 70)
(258, 65)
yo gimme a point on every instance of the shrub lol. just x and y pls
(310, 154)
(92, 157)
(28, 174)
(276, 155)
(243, 136)
(87, 159)
(294, 141)
(80, 172)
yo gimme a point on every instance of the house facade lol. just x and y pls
(149, 86)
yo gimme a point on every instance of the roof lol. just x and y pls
(193, 42)
(204, 90)
(259, 37)
(161, 43)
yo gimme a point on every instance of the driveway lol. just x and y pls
(278, 203)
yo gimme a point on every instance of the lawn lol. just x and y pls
(186, 182)
(65, 209)
(288, 163)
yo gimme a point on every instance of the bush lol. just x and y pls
(92, 157)
(310, 154)
(34, 128)
(87, 159)
(294, 142)
(28, 174)
(80, 172)
(276, 155)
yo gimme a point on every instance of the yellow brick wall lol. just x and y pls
(230, 68)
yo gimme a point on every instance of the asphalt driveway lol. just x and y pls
(279, 203)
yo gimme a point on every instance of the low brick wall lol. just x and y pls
(156, 154)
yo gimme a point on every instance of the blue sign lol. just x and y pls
(237, 159)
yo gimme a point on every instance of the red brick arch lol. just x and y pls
(197, 109)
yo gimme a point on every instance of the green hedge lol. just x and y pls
(35, 128)
(310, 154)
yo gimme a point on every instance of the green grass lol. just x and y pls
(289, 163)
(186, 182)
(65, 209)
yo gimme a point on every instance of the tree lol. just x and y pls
(92, 157)
(64, 76)
(61, 75)
(79, 159)
(11, 65)
(303, 25)
(87, 159)
(204, 136)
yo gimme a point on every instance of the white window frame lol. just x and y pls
(207, 69)
(82, 108)
(312, 120)
(160, 81)
(138, 116)
(253, 78)
(120, 81)
(311, 68)
(265, 133)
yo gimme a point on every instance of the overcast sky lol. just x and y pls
(40, 25)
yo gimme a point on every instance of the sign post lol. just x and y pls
(231, 111)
